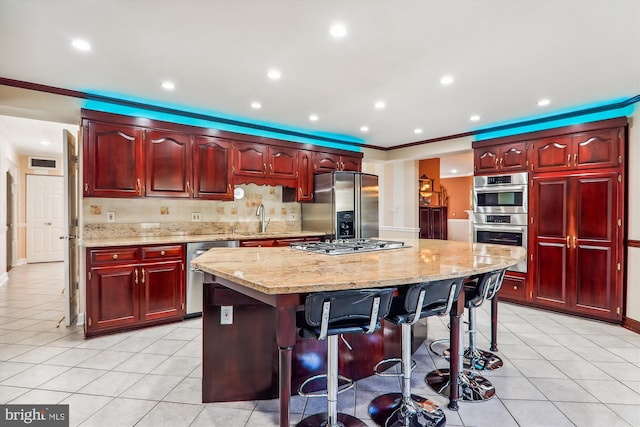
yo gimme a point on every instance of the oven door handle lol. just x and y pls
(507, 228)
(500, 189)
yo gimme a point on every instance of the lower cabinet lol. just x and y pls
(513, 287)
(433, 222)
(133, 286)
(268, 243)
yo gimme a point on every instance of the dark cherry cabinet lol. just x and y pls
(501, 158)
(113, 160)
(586, 150)
(330, 162)
(305, 177)
(264, 161)
(168, 164)
(212, 168)
(133, 286)
(433, 222)
(513, 287)
(575, 243)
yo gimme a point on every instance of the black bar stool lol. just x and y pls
(413, 303)
(327, 315)
(473, 387)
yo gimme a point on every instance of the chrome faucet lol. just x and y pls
(263, 223)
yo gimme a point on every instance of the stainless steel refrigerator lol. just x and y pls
(345, 205)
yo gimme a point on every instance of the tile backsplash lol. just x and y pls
(159, 216)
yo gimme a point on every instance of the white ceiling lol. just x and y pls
(504, 57)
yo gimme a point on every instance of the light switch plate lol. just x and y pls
(226, 315)
(111, 217)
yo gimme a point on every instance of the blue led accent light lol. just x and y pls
(118, 104)
(590, 113)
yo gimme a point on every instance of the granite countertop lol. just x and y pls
(286, 271)
(188, 238)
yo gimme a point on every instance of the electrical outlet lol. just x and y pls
(111, 217)
(292, 216)
(226, 315)
(195, 217)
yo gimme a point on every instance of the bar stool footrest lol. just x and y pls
(376, 368)
(347, 384)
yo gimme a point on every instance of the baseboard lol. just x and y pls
(21, 261)
(4, 278)
(632, 325)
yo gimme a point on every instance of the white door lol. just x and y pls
(45, 218)
(71, 262)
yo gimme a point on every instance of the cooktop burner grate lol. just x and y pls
(347, 246)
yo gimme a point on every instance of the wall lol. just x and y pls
(8, 164)
(633, 218)
(459, 193)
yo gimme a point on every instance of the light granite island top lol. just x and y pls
(285, 270)
(281, 277)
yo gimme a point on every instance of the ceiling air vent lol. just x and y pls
(42, 163)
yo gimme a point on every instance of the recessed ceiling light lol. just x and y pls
(364, 128)
(81, 45)
(417, 130)
(167, 85)
(313, 117)
(544, 102)
(274, 74)
(446, 80)
(45, 142)
(474, 118)
(379, 105)
(256, 105)
(338, 30)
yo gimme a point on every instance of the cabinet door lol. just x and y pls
(113, 164)
(552, 154)
(168, 164)
(162, 290)
(439, 223)
(262, 243)
(212, 173)
(113, 299)
(250, 160)
(305, 176)
(598, 149)
(513, 157)
(550, 241)
(283, 162)
(485, 160)
(327, 162)
(350, 163)
(426, 225)
(594, 247)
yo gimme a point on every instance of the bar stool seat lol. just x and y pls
(412, 304)
(473, 386)
(327, 315)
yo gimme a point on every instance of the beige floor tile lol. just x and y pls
(591, 415)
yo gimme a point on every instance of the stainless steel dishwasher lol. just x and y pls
(195, 276)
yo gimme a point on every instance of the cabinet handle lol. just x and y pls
(228, 188)
(138, 186)
(115, 256)
(143, 276)
(515, 287)
(574, 242)
(342, 167)
(575, 159)
(136, 276)
(188, 187)
(264, 167)
(568, 242)
(501, 163)
(296, 174)
(271, 167)
(86, 186)
(497, 163)
(300, 191)
(162, 253)
(568, 160)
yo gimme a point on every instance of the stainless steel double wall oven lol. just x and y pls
(500, 213)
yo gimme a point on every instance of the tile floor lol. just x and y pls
(559, 370)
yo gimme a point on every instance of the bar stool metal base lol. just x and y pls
(473, 387)
(389, 410)
(320, 420)
(478, 359)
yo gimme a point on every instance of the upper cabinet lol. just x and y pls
(271, 163)
(168, 164)
(501, 158)
(586, 150)
(330, 162)
(113, 160)
(212, 171)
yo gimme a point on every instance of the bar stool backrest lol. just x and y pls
(343, 312)
(424, 300)
(484, 287)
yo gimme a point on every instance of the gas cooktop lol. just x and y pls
(347, 246)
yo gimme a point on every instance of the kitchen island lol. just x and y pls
(281, 278)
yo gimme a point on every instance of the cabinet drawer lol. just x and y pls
(513, 288)
(113, 255)
(263, 243)
(162, 252)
